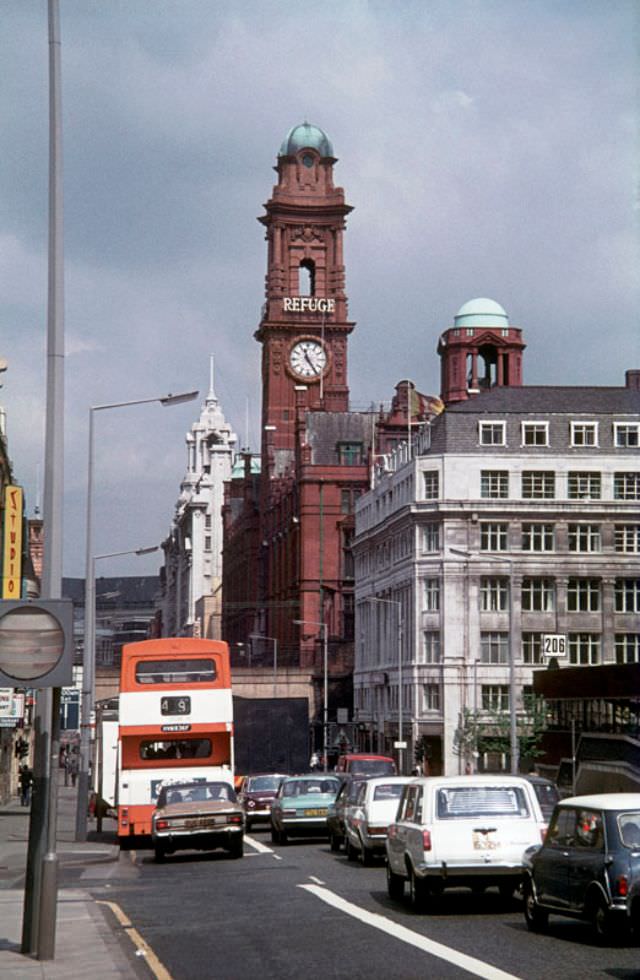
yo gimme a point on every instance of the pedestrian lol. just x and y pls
(26, 781)
(73, 768)
(67, 766)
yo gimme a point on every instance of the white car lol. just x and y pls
(462, 830)
(367, 818)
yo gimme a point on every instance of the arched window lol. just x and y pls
(307, 278)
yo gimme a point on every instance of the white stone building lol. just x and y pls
(192, 574)
(518, 517)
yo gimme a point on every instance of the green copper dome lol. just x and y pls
(305, 137)
(481, 312)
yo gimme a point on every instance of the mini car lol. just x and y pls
(461, 830)
(301, 805)
(588, 866)
(367, 818)
(201, 815)
(257, 795)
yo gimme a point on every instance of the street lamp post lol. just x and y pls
(325, 709)
(89, 648)
(401, 745)
(513, 729)
(274, 640)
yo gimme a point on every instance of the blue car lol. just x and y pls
(301, 806)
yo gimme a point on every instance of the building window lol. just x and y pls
(347, 553)
(584, 537)
(584, 486)
(494, 594)
(532, 648)
(207, 522)
(349, 453)
(583, 595)
(207, 542)
(493, 537)
(584, 649)
(627, 593)
(537, 537)
(431, 647)
(495, 697)
(535, 433)
(492, 433)
(627, 648)
(431, 697)
(431, 484)
(431, 538)
(538, 595)
(626, 435)
(431, 595)
(626, 486)
(494, 484)
(494, 648)
(584, 433)
(538, 484)
(627, 538)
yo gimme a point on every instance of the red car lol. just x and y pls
(257, 795)
(363, 764)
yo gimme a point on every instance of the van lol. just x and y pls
(362, 764)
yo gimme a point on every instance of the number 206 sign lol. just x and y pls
(554, 645)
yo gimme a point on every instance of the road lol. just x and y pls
(299, 909)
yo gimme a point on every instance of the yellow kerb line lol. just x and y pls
(152, 960)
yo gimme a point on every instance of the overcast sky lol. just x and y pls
(489, 148)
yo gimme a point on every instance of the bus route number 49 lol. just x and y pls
(554, 645)
(175, 706)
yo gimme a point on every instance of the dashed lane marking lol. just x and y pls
(469, 963)
(258, 845)
(143, 948)
(317, 881)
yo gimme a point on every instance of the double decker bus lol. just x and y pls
(175, 721)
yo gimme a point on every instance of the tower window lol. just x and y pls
(307, 278)
(492, 433)
(350, 453)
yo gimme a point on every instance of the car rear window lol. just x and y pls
(303, 786)
(388, 791)
(630, 829)
(481, 801)
(371, 767)
(255, 784)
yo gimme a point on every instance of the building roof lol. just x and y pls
(326, 430)
(132, 590)
(550, 398)
(481, 312)
(306, 136)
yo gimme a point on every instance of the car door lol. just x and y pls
(586, 855)
(399, 833)
(551, 862)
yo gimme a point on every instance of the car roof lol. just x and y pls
(314, 775)
(366, 755)
(385, 780)
(605, 801)
(476, 779)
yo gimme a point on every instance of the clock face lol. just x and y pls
(308, 359)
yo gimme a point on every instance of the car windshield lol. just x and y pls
(369, 767)
(482, 801)
(302, 787)
(195, 793)
(388, 791)
(629, 824)
(547, 795)
(256, 784)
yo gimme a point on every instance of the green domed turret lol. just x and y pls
(305, 137)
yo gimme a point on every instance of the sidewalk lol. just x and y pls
(86, 943)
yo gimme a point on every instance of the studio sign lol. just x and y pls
(311, 304)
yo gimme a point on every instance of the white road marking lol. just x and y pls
(258, 845)
(318, 881)
(469, 963)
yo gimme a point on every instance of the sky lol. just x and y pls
(488, 147)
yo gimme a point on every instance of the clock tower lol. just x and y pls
(304, 325)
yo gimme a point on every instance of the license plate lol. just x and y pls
(485, 842)
(316, 813)
(203, 821)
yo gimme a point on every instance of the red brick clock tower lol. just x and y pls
(304, 326)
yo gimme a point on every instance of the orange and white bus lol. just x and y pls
(175, 721)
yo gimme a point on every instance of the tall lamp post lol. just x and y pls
(325, 709)
(89, 651)
(513, 727)
(274, 640)
(401, 744)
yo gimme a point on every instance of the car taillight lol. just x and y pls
(162, 824)
(426, 840)
(621, 887)
(376, 830)
(124, 817)
(235, 818)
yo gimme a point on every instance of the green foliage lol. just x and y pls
(490, 731)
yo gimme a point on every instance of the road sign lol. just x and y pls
(554, 645)
(36, 642)
(399, 745)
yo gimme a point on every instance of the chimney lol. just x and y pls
(632, 379)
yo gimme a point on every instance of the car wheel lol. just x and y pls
(334, 842)
(159, 853)
(352, 854)
(418, 892)
(236, 848)
(602, 921)
(395, 885)
(275, 835)
(535, 917)
(247, 824)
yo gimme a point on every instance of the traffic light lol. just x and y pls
(36, 642)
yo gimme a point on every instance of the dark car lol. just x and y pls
(257, 795)
(588, 866)
(547, 793)
(335, 817)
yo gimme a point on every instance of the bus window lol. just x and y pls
(176, 748)
(192, 671)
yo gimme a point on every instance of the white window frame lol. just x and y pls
(494, 593)
(494, 647)
(431, 477)
(627, 648)
(431, 647)
(431, 697)
(630, 428)
(627, 538)
(584, 594)
(494, 484)
(584, 538)
(627, 595)
(584, 485)
(626, 485)
(538, 594)
(538, 532)
(532, 654)
(430, 537)
(537, 426)
(579, 429)
(538, 483)
(431, 595)
(584, 649)
(495, 697)
(486, 426)
(497, 533)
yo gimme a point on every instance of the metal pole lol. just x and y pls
(325, 723)
(513, 729)
(400, 692)
(89, 653)
(275, 665)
